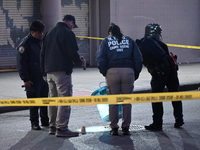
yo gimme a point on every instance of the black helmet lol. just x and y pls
(153, 30)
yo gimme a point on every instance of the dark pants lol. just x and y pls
(38, 89)
(157, 85)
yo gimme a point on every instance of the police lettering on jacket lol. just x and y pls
(113, 44)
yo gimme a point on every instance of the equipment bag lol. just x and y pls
(104, 108)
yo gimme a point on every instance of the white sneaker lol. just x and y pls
(66, 133)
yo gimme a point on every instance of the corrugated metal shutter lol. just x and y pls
(15, 17)
(80, 9)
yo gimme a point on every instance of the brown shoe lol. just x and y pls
(52, 130)
(66, 133)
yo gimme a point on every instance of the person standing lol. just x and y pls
(163, 69)
(58, 56)
(120, 61)
(28, 64)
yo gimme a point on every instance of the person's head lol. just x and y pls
(153, 30)
(70, 21)
(115, 31)
(36, 29)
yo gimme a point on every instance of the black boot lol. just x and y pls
(114, 132)
(126, 131)
(153, 127)
(178, 124)
(35, 127)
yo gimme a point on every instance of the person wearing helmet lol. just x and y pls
(157, 60)
(28, 63)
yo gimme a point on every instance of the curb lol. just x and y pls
(5, 109)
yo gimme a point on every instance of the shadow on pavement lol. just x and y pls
(40, 140)
(118, 142)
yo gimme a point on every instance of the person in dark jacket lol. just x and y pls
(28, 62)
(120, 61)
(58, 56)
(163, 70)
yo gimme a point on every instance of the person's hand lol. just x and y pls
(136, 76)
(28, 84)
(83, 63)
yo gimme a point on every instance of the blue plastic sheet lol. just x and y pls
(104, 108)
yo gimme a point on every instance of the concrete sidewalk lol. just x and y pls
(86, 81)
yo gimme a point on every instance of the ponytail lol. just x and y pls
(116, 32)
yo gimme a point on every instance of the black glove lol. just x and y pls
(136, 76)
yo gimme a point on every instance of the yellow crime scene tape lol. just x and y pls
(172, 45)
(107, 99)
(184, 46)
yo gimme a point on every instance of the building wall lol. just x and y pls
(179, 21)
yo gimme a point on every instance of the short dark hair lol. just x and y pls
(37, 26)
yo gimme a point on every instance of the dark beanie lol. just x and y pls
(37, 26)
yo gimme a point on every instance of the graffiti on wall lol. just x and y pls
(15, 17)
